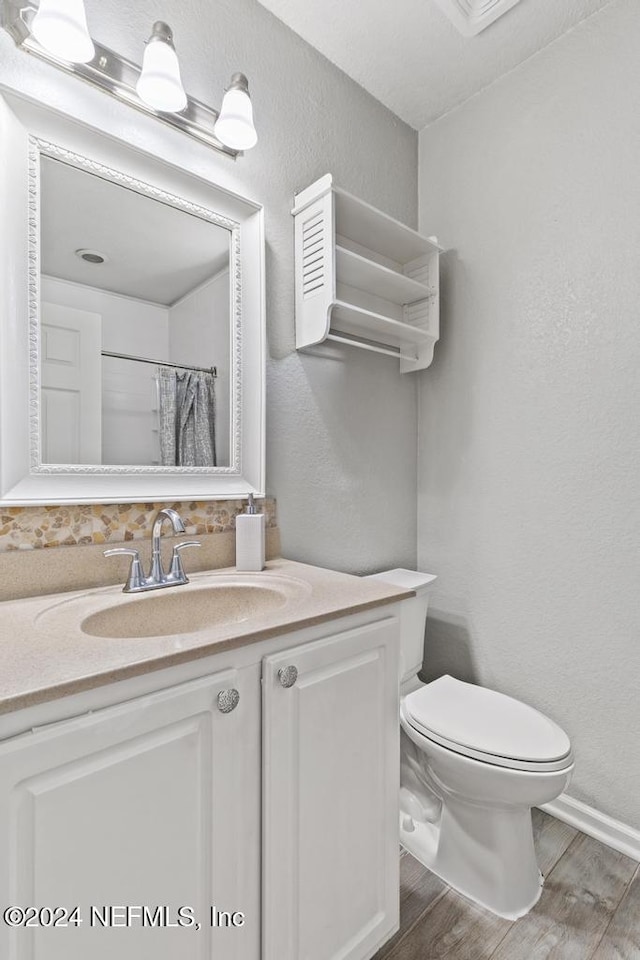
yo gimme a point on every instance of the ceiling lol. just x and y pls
(410, 56)
(153, 251)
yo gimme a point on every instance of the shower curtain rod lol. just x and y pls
(160, 363)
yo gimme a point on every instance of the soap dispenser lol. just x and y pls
(250, 539)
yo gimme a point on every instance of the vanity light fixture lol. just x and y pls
(235, 123)
(159, 85)
(60, 26)
(56, 31)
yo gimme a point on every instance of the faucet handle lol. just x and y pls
(136, 574)
(186, 543)
(177, 570)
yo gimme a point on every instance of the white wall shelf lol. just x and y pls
(364, 274)
(363, 278)
(347, 318)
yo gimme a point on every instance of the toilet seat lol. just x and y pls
(486, 726)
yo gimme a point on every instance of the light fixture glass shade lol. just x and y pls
(60, 26)
(234, 127)
(159, 84)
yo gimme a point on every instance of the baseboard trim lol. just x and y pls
(595, 824)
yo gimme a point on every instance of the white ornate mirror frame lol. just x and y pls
(28, 131)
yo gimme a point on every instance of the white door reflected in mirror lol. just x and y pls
(71, 384)
(135, 317)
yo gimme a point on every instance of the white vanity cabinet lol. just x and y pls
(330, 796)
(181, 796)
(147, 803)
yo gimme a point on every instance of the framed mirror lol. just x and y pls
(136, 352)
(133, 300)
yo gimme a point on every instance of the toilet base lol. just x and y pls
(484, 853)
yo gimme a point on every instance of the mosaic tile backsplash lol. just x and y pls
(32, 528)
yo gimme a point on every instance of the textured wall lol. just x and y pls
(340, 432)
(529, 453)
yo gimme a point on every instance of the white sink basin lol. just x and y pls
(170, 612)
(209, 601)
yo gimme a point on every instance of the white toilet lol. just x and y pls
(473, 764)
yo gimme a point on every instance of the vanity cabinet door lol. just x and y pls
(330, 794)
(153, 803)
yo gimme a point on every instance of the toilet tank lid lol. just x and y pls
(408, 579)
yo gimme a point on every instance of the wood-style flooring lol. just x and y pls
(589, 908)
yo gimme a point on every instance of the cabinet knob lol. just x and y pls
(228, 700)
(288, 676)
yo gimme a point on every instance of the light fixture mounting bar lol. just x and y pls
(115, 75)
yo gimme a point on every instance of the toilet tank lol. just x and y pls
(413, 616)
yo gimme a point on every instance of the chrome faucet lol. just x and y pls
(156, 573)
(137, 582)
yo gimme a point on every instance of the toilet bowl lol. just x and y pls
(473, 764)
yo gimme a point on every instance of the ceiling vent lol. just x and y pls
(472, 16)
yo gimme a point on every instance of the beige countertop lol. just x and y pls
(45, 654)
